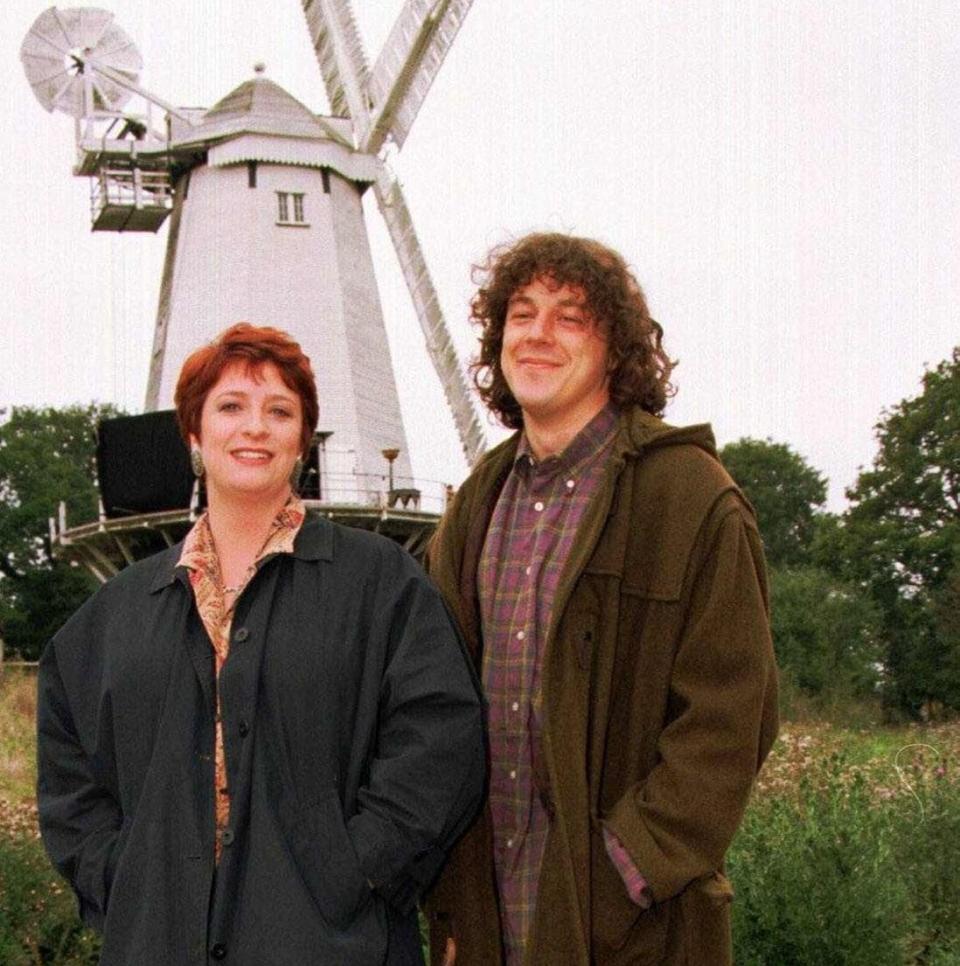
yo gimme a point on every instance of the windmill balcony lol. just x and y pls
(407, 512)
(376, 492)
(130, 199)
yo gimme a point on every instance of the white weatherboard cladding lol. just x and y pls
(375, 398)
(295, 151)
(232, 262)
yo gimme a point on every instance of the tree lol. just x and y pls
(46, 455)
(787, 493)
(901, 537)
(946, 618)
(827, 635)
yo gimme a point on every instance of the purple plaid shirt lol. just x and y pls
(528, 542)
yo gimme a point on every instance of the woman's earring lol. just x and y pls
(196, 462)
(295, 474)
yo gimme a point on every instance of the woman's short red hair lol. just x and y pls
(255, 346)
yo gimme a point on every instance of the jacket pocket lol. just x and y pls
(323, 852)
(621, 931)
(705, 910)
(116, 856)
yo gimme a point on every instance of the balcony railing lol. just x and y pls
(130, 199)
(374, 490)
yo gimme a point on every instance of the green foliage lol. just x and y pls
(46, 455)
(817, 880)
(786, 492)
(827, 636)
(38, 919)
(35, 604)
(901, 539)
(835, 706)
(927, 851)
(945, 605)
(849, 850)
(906, 507)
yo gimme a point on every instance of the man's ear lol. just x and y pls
(194, 441)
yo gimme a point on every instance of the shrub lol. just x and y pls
(817, 877)
(927, 851)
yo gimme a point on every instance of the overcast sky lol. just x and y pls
(783, 177)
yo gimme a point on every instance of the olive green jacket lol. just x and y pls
(659, 702)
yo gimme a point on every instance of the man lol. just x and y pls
(611, 584)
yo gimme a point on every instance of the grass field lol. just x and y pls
(18, 704)
(849, 853)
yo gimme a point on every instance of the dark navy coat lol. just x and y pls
(353, 736)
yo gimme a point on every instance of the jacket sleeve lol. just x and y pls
(427, 775)
(679, 821)
(80, 819)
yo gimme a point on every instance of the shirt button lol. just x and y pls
(244, 729)
(515, 706)
(570, 484)
(241, 635)
(509, 843)
(513, 773)
(520, 635)
(227, 836)
(218, 951)
(527, 571)
(538, 506)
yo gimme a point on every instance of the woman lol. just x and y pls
(256, 746)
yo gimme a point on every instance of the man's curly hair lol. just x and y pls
(639, 367)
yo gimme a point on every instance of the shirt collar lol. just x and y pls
(199, 552)
(587, 443)
(313, 542)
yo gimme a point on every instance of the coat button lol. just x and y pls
(218, 951)
(244, 729)
(227, 836)
(241, 635)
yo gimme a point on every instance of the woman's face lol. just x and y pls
(250, 428)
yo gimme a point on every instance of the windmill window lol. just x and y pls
(290, 209)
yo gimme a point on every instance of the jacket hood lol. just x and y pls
(638, 431)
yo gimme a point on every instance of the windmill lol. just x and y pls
(263, 200)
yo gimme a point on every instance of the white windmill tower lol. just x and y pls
(266, 225)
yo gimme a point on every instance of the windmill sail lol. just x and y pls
(407, 66)
(440, 346)
(339, 50)
(55, 51)
(384, 103)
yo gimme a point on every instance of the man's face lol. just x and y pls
(554, 355)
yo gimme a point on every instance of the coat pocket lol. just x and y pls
(325, 857)
(705, 910)
(621, 931)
